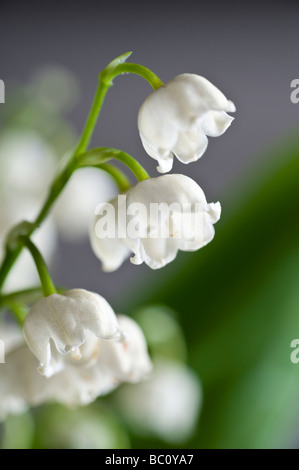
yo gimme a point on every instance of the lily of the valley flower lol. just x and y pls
(167, 405)
(127, 359)
(59, 324)
(186, 223)
(177, 118)
(84, 359)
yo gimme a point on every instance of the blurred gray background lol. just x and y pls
(249, 51)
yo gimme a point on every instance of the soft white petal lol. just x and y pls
(94, 313)
(215, 123)
(196, 92)
(167, 405)
(205, 228)
(189, 150)
(166, 189)
(214, 212)
(156, 253)
(21, 385)
(111, 251)
(105, 232)
(164, 157)
(63, 319)
(168, 115)
(127, 359)
(100, 367)
(163, 201)
(231, 108)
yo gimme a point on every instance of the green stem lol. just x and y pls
(10, 258)
(47, 284)
(25, 296)
(105, 82)
(98, 156)
(137, 69)
(93, 117)
(119, 177)
(57, 187)
(116, 67)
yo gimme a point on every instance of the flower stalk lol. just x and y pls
(47, 284)
(121, 180)
(96, 157)
(106, 77)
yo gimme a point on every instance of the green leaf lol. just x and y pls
(238, 301)
(18, 432)
(104, 75)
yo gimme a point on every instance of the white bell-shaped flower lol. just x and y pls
(61, 321)
(155, 219)
(167, 405)
(77, 383)
(128, 359)
(177, 118)
(95, 368)
(109, 249)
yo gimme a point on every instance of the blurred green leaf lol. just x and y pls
(239, 307)
(18, 432)
(89, 427)
(163, 333)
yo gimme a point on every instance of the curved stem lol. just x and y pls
(116, 67)
(105, 82)
(56, 188)
(26, 296)
(10, 258)
(136, 168)
(98, 156)
(119, 177)
(137, 69)
(47, 284)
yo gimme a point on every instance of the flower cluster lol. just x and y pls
(81, 350)
(174, 120)
(172, 193)
(76, 348)
(27, 166)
